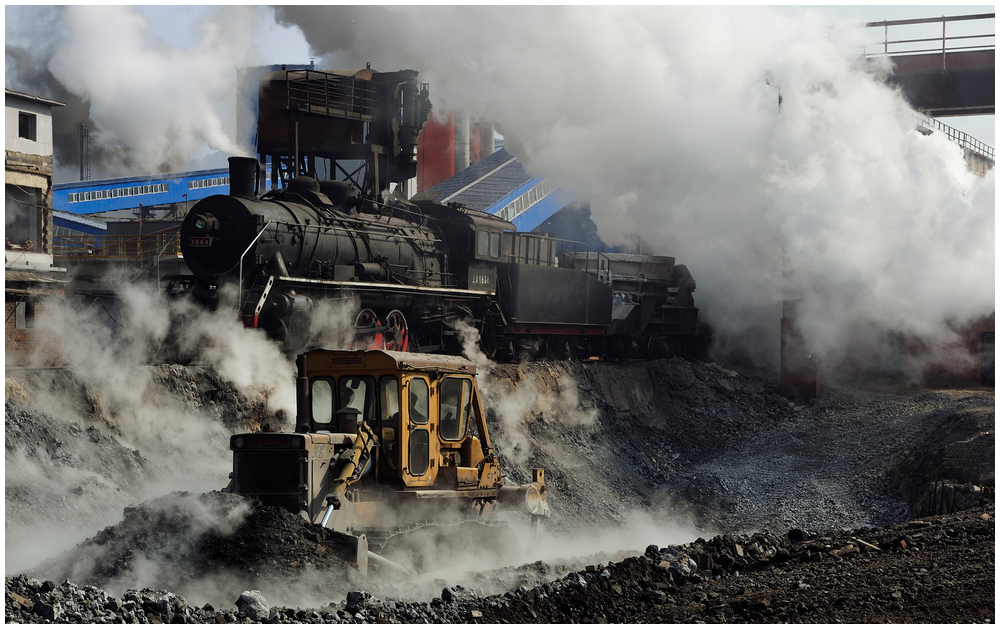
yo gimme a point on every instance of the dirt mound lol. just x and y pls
(178, 541)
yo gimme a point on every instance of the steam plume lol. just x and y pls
(161, 441)
(150, 108)
(524, 400)
(665, 116)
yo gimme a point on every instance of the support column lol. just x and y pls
(461, 142)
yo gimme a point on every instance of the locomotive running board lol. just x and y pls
(386, 288)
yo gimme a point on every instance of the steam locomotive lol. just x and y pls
(420, 274)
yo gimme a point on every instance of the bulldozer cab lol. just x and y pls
(386, 444)
(423, 409)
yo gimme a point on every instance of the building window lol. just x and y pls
(194, 184)
(24, 315)
(26, 126)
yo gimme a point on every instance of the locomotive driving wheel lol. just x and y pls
(367, 331)
(397, 335)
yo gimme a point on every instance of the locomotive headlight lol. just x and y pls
(204, 223)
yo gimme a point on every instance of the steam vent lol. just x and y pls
(605, 322)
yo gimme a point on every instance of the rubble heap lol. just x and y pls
(938, 569)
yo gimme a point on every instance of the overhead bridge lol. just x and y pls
(946, 74)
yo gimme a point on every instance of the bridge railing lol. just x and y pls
(962, 138)
(978, 36)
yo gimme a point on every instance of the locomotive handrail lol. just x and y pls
(245, 252)
(173, 239)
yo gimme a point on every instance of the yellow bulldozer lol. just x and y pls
(388, 447)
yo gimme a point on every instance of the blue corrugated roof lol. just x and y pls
(69, 217)
(100, 184)
(484, 183)
(493, 183)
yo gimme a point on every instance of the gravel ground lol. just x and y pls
(938, 569)
(722, 451)
(663, 453)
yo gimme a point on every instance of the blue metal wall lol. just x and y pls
(138, 191)
(540, 211)
(144, 190)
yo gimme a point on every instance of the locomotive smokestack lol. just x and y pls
(243, 177)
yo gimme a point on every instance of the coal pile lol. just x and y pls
(79, 449)
(725, 451)
(938, 569)
(787, 503)
(180, 541)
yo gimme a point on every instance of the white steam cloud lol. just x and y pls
(158, 108)
(245, 357)
(118, 431)
(666, 117)
(527, 399)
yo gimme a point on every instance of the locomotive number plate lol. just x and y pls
(200, 241)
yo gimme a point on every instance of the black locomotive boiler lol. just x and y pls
(416, 271)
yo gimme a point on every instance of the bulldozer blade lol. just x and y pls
(353, 548)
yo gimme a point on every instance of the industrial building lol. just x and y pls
(33, 286)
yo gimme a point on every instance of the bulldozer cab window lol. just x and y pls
(388, 398)
(358, 392)
(321, 394)
(455, 399)
(418, 453)
(419, 400)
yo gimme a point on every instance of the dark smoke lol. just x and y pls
(26, 57)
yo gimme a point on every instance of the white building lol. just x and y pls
(28, 171)
(33, 287)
